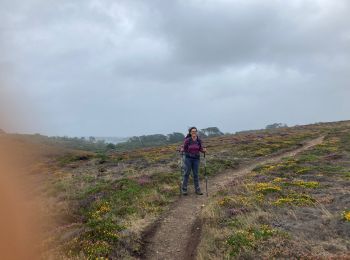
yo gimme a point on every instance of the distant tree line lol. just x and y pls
(160, 139)
(275, 125)
(210, 132)
(92, 144)
(78, 143)
(268, 127)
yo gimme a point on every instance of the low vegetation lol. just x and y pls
(301, 203)
(100, 201)
(115, 195)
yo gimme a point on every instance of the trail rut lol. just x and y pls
(176, 234)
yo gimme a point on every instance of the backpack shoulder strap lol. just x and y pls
(199, 141)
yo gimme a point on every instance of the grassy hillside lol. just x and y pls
(299, 207)
(99, 204)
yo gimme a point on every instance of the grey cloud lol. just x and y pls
(135, 67)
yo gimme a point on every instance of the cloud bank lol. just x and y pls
(133, 67)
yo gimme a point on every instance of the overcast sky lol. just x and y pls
(123, 68)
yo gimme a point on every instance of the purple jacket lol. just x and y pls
(192, 148)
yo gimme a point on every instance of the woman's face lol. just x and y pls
(194, 132)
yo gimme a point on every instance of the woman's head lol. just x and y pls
(192, 132)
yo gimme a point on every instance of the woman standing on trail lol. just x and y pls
(192, 147)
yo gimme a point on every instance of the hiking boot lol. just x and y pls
(184, 192)
(198, 192)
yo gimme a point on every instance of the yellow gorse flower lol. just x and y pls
(346, 215)
(264, 186)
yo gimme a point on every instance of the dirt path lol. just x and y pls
(176, 235)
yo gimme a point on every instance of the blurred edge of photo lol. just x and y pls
(20, 235)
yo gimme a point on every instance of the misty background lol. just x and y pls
(124, 68)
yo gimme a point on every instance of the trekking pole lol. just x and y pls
(205, 174)
(182, 170)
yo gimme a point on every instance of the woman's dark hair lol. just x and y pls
(189, 131)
